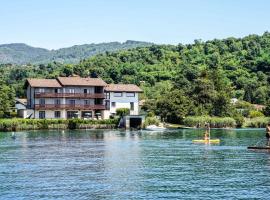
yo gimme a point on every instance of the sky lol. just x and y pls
(56, 24)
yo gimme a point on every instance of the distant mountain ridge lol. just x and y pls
(20, 53)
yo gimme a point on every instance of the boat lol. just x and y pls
(207, 141)
(259, 147)
(154, 128)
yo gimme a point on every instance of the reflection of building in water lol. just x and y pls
(122, 160)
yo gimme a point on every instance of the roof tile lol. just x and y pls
(123, 88)
(36, 82)
(78, 81)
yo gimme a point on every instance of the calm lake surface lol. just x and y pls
(133, 165)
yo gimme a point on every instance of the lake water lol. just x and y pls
(133, 165)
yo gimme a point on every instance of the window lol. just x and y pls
(57, 91)
(71, 91)
(42, 102)
(117, 94)
(72, 114)
(130, 94)
(86, 114)
(107, 105)
(72, 102)
(131, 105)
(41, 90)
(113, 104)
(86, 102)
(57, 114)
(85, 91)
(41, 114)
(57, 101)
(107, 95)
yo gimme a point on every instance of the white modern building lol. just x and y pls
(76, 97)
(121, 96)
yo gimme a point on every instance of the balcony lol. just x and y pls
(70, 95)
(69, 107)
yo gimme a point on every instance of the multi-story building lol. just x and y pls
(76, 97)
(66, 97)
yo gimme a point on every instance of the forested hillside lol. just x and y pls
(18, 53)
(194, 79)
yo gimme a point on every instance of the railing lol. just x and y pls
(68, 106)
(70, 95)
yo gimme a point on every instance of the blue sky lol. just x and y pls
(60, 23)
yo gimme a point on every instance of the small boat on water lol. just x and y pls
(154, 128)
(259, 147)
(207, 141)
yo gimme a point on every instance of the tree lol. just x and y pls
(173, 106)
(7, 100)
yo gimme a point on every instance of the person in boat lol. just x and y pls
(207, 131)
(267, 134)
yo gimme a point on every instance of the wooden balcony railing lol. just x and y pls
(70, 95)
(68, 107)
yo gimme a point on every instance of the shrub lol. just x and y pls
(255, 113)
(151, 121)
(36, 124)
(215, 122)
(257, 122)
(122, 111)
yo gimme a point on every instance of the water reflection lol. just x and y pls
(100, 164)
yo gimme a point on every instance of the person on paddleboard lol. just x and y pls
(267, 134)
(207, 131)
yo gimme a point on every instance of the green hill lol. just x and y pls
(19, 53)
(178, 80)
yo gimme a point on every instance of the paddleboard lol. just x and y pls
(206, 141)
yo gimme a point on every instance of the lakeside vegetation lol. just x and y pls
(17, 124)
(179, 81)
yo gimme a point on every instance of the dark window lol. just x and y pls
(42, 101)
(72, 114)
(57, 101)
(98, 89)
(131, 105)
(86, 102)
(72, 102)
(56, 90)
(113, 104)
(98, 101)
(85, 91)
(86, 114)
(107, 105)
(41, 114)
(57, 114)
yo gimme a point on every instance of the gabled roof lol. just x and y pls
(122, 88)
(21, 101)
(38, 82)
(78, 81)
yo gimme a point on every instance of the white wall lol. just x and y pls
(124, 102)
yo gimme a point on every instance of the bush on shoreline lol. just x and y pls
(226, 122)
(17, 124)
(257, 122)
(215, 122)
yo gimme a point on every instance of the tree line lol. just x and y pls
(178, 80)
